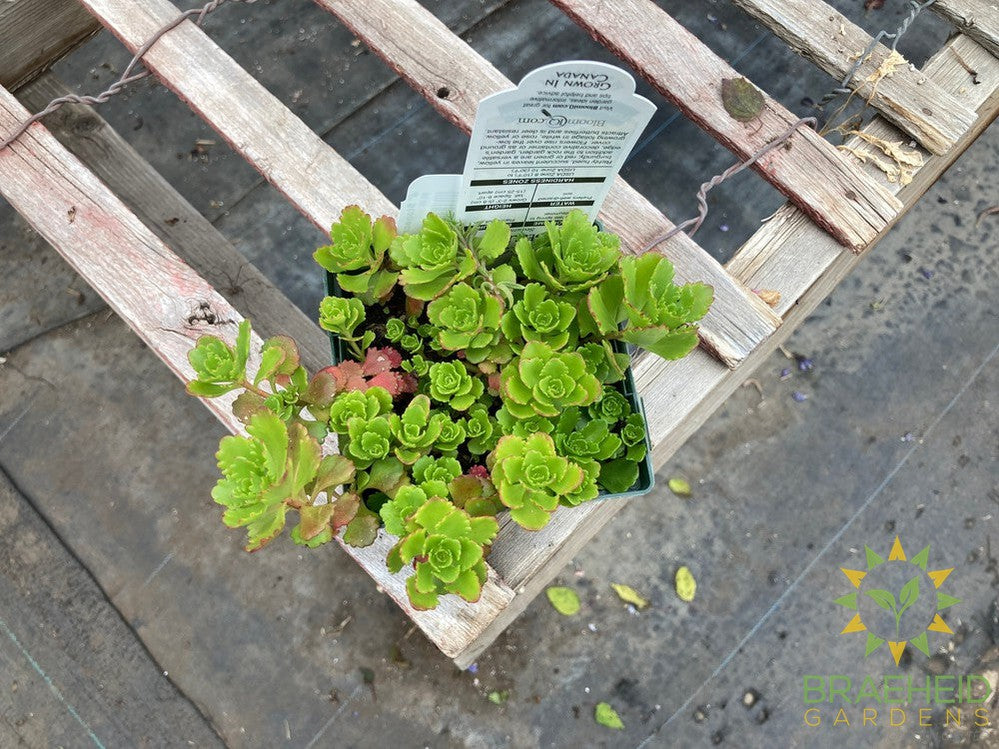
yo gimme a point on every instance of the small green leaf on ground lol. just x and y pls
(629, 595)
(499, 697)
(606, 715)
(564, 600)
(680, 487)
(742, 100)
(686, 585)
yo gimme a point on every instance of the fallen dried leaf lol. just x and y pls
(686, 585)
(742, 100)
(607, 716)
(563, 600)
(629, 595)
(990, 211)
(680, 487)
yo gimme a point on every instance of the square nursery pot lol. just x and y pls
(646, 475)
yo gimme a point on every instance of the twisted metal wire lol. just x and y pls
(127, 76)
(702, 194)
(915, 8)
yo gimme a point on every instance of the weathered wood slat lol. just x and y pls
(790, 254)
(906, 98)
(34, 34)
(175, 221)
(825, 184)
(169, 306)
(979, 19)
(314, 177)
(454, 78)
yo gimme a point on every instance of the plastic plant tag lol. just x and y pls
(431, 193)
(554, 143)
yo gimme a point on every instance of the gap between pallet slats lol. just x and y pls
(905, 96)
(424, 52)
(788, 253)
(313, 176)
(165, 302)
(979, 19)
(824, 183)
(175, 221)
(34, 34)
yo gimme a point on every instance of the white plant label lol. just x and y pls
(554, 143)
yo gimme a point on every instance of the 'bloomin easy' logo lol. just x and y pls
(897, 601)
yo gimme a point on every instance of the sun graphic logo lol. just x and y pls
(897, 601)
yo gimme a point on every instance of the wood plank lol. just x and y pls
(73, 670)
(35, 34)
(170, 306)
(314, 177)
(175, 221)
(828, 187)
(905, 97)
(454, 78)
(788, 253)
(978, 19)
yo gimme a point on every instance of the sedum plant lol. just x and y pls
(484, 373)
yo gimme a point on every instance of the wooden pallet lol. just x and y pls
(100, 205)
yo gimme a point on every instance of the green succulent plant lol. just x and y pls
(218, 367)
(411, 343)
(263, 471)
(368, 440)
(452, 436)
(394, 513)
(467, 320)
(588, 488)
(432, 260)
(510, 424)
(633, 437)
(394, 329)
(450, 383)
(545, 382)
(442, 469)
(366, 404)
(571, 256)
(416, 430)
(531, 478)
(612, 407)
(356, 254)
(416, 364)
(537, 317)
(481, 429)
(342, 316)
(582, 439)
(660, 315)
(445, 547)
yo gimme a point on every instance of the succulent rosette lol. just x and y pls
(538, 317)
(531, 478)
(467, 320)
(571, 256)
(416, 430)
(445, 547)
(431, 260)
(450, 383)
(544, 382)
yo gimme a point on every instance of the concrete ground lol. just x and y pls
(130, 617)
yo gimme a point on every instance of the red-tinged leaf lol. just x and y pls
(414, 307)
(246, 405)
(742, 100)
(344, 509)
(313, 520)
(391, 381)
(363, 529)
(322, 389)
(381, 360)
